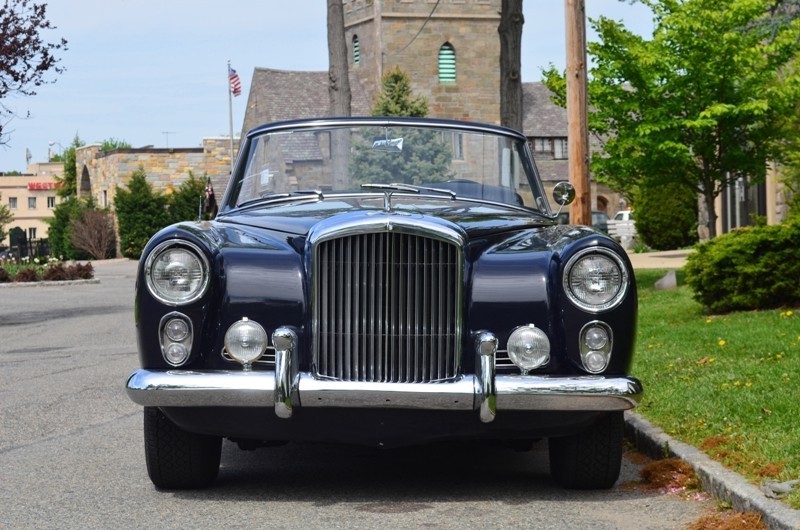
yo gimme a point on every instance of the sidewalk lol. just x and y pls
(663, 259)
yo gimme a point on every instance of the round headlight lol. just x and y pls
(246, 341)
(176, 273)
(528, 347)
(595, 280)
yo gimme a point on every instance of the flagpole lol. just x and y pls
(230, 110)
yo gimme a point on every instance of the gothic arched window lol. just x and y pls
(447, 63)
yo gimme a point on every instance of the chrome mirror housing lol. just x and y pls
(564, 193)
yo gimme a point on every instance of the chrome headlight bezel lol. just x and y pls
(161, 294)
(182, 345)
(619, 276)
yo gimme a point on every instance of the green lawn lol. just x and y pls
(727, 384)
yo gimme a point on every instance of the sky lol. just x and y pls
(154, 72)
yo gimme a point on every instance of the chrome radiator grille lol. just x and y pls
(386, 308)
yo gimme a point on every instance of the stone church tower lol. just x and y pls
(450, 49)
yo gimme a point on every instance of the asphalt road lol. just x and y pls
(71, 453)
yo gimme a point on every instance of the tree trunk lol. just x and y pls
(338, 80)
(510, 29)
(338, 92)
(711, 209)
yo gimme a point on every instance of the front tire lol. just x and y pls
(177, 459)
(590, 459)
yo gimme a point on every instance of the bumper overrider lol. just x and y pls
(286, 388)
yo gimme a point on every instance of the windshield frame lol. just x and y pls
(529, 173)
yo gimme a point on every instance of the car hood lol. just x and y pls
(476, 219)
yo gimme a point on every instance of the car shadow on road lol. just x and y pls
(393, 479)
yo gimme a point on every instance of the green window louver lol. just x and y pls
(447, 63)
(356, 50)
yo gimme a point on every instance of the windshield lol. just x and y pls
(425, 160)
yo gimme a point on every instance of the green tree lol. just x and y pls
(25, 57)
(187, 201)
(424, 157)
(110, 144)
(698, 104)
(396, 99)
(5, 218)
(140, 214)
(69, 180)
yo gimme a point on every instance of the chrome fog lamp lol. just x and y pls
(595, 345)
(175, 337)
(528, 348)
(596, 280)
(246, 341)
(176, 272)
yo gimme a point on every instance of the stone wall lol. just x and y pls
(100, 172)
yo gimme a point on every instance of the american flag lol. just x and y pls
(236, 84)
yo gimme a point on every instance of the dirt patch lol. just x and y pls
(671, 475)
(730, 521)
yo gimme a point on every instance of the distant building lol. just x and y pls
(31, 197)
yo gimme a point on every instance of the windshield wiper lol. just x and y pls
(408, 187)
(271, 196)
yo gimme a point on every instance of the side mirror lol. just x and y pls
(563, 194)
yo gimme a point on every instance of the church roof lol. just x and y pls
(278, 95)
(541, 117)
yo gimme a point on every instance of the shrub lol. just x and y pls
(55, 273)
(80, 272)
(27, 275)
(93, 233)
(60, 232)
(140, 212)
(750, 268)
(666, 216)
(5, 277)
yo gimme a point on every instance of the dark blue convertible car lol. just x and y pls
(386, 282)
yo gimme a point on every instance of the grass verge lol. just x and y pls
(724, 383)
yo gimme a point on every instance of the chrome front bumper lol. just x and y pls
(177, 388)
(286, 388)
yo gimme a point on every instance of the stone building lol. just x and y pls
(452, 57)
(100, 172)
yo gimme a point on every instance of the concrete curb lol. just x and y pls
(720, 482)
(63, 283)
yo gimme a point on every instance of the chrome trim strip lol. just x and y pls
(183, 388)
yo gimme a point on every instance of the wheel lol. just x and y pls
(590, 459)
(177, 459)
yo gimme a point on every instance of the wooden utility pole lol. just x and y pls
(577, 116)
